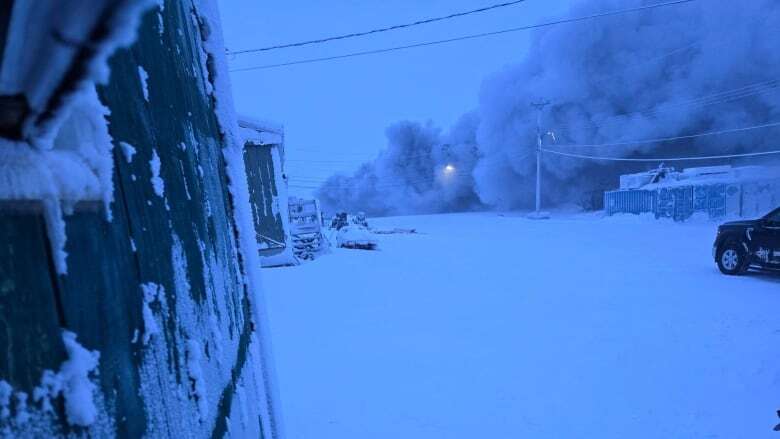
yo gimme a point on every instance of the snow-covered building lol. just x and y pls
(715, 191)
(264, 158)
(130, 298)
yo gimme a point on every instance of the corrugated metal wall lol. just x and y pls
(184, 382)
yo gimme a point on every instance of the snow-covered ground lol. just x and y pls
(488, 326)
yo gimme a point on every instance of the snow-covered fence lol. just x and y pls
(130, 307)
(630, 201)
(720, 193)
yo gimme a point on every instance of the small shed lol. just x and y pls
(715, 191)
(264, 158)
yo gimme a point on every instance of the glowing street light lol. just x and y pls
(449, 169)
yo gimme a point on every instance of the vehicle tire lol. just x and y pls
(732, 259)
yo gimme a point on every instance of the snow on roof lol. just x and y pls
(260, 137)
(261, 132)
(260, 124)
(716, 175)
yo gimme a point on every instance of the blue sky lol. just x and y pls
(335, 113)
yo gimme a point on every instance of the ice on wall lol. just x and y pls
(128, 151)
(79, 166)
(152, 293)
(144, 78)
(160, 21)
(197, 380)
(666, 72)
(74, 382)
(207, 339)
(39, 77)
(66, 155)
(214, 57)
(157, 182)
(5, 399)
(22, 415)
(77, 388)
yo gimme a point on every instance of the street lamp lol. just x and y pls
(449, 169)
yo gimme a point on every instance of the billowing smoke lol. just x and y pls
(704, 66)
(421, 170)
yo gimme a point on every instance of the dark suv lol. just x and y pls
(742, 244)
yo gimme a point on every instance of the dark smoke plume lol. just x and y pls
(698, 67)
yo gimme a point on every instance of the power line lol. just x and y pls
(380, 30)
(594, 145)
(465, 37)
(559, 153)
(701, 101)
(668, 139)
(667, 159)
(305, 180)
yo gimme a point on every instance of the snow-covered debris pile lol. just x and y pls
(395, 231)
(306, 228)
(355, 236)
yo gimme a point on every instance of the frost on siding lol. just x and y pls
(157, 183)
(67, 157)
(144, 78)
(197, 381)
(128, 151)
(5, 400)
(214, 59)
(77, 167)
(152, 293)
(22, 416)
(77, 388)
(206, 334)
(95, 29)
(160, 17)
(251, 393)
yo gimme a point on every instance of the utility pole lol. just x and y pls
(539, 106)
